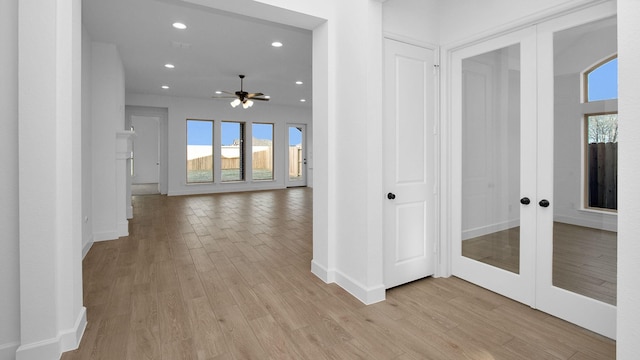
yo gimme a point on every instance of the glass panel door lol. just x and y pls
(577, 220)
(495, 247)
(297, 158)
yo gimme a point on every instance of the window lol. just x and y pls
(199, 151)
(601, 137)
(262, 151)
(232, 151)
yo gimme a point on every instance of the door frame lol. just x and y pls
(163, 114)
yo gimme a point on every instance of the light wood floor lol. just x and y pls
(227, 277)
(584, 259)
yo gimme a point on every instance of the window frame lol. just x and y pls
(187, 152)
(273, 131)
(587, 111)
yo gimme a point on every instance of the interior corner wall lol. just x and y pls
(9, 221)
(86, 131)
(107, 117)
(628, 331)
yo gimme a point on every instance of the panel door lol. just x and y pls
(409, 168)
(146, 150)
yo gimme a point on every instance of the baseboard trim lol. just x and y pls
(8, 350)
(70, 339)
(53, 348)
(123, 228)
(323, 273)
(86, 247)
(106, 235)
(367, 295)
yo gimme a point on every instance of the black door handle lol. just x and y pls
(544, 203)
(525, 201)
(391, 196)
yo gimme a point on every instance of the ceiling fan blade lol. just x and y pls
(224, 97)
(261, 99)
(228, 92)
(251, 95)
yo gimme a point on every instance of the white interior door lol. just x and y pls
(146, 150)
(577, 242)
(409, 167)
(297, 155)
(493, 112)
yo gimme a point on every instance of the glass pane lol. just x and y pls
(491, 158)
(585, 166)
(232, 151)
(295, 153)
(602, 161)
(199, 151)
(262, 151)
(602, 82)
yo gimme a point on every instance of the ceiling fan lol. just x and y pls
(242, 97)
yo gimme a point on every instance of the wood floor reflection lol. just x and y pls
(227, 276)
(584, 259)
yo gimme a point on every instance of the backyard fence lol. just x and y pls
(603, 175)
(261, 160)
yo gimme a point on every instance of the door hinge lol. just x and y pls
(436, 68)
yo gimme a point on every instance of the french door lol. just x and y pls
(297, 155)
(520, 226)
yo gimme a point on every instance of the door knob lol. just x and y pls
(525, 201)
(544, 203)
(391, 196)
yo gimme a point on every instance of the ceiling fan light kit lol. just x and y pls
(242, 97)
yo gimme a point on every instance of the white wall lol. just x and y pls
(414, 21)
(107, 117)
(87, 148)
(628, 346)
(9, 245)
(181, 109)
(572, 58)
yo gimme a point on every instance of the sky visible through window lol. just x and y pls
(199, 133)
(603, 82)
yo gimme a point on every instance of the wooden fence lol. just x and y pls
(602, 163)
(261, 160)
(295, 161)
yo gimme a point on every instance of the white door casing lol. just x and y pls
(409, 149)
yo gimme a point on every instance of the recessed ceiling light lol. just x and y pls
(276, 44)
(179, 25)
(169, 66)
(303, 100)
(267, 97)
(165, 87)
(299, 83)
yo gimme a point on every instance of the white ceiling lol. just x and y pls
(209, 55)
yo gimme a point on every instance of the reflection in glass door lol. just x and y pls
(495, 245)
(577, 152)
(491, 158)
(585, 160)
(297, 158)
